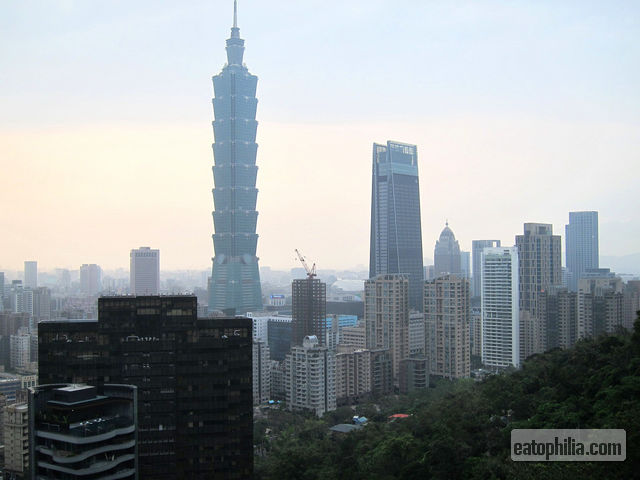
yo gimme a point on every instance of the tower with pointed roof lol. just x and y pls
(234, 287)
(446, 256)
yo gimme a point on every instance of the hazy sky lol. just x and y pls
(521, 110)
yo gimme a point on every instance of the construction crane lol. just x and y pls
(311, 272)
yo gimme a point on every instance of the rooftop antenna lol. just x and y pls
(235, 13)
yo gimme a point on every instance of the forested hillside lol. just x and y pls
(462, 429)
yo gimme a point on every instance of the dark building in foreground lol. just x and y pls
(194, 380)
(80, 431)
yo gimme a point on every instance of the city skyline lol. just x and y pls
(95, 92)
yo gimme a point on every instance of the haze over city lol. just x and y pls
(521, 112)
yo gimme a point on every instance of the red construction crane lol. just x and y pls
(311, 272)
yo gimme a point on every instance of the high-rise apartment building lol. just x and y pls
(386, 317)
(21, 299)
(539, 259)
(561, 307)
(308, 309)
(446, 254)
(355, 336)
(396, 234)
(31, 274)
(600, 304)
(16, 440)
(416, 335)
(353, 374)
(235, 277)
(631, 305)
(194, 379)
(582, 246)
(310, 372)
(81, 432)
(91, 275)
(20, 349)
(145, 271)
(477, 246)
(41, 304)
(500, 307)
(261, 372)
(447, 325)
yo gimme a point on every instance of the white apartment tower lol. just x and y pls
(310, 375)
(500, 307)
(145, 271)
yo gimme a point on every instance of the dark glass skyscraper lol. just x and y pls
(396, 232)
(235, 278)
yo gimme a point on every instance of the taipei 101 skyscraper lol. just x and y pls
(234, 287)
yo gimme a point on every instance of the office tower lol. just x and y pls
(396, 232)
(540, 266)
(91, 274)
(600, 303)
(582, 246)
(194, 379)
(500, 307)
(31, 274)
(261, 372)
(235, 277)
(447, 318)
(353, 374)
(465, 264)
(16, 440)
(308, 309)
(310, 373)
(446, 255)
(144, 271)
(386, 316)
(80, 431)
(477, 246)
(279, 336)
